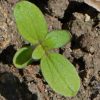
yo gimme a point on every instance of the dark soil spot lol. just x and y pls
(12, 89)
(7, 54)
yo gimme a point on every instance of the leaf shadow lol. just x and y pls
(7, 54)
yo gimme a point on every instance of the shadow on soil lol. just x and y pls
(6, 57)
(77, 7)
(42, 4)
(12, 89)
(80, 62)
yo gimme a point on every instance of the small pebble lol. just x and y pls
(87, 18)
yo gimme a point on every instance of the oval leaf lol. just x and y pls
(38, 52)
(30, 22)
(60, 74)
(56, 39)
(23, 57)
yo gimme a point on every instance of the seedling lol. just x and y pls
(60, 74)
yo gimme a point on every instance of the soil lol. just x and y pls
(82, 21)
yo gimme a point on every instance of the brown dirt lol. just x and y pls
(82, 21)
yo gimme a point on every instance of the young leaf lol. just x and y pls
(23, 57)
(30, 22)
(56, 39)
(38, 52)
(60, 74)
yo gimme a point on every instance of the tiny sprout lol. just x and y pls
(60, 74)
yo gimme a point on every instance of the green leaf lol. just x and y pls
(30, 22)
(56, 39)
(60, 74)
(38, 52)
(23, 57)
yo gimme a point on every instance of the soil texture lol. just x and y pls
(83, 51)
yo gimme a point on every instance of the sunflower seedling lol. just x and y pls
(60, 74)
